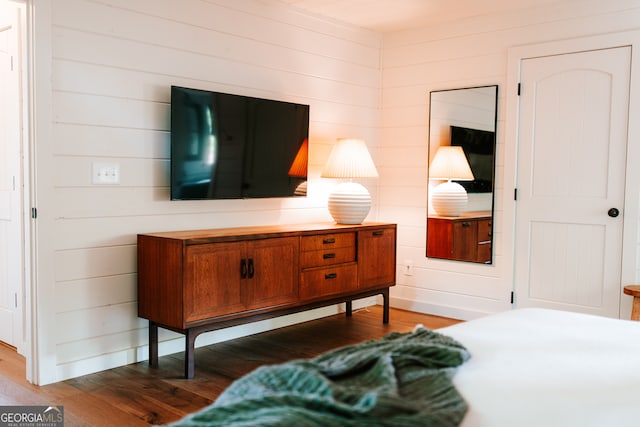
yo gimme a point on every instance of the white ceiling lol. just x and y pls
(395, 15)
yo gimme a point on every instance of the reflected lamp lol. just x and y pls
(299, 166)
(449, 198)
(349, 202)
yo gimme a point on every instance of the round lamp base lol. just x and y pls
(349, 203)
(449, 199)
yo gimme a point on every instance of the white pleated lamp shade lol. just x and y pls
(350, 202)
(349, 159)
(449, 163)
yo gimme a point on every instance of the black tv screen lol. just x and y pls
(479, 148)
(226, 146)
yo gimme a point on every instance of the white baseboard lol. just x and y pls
(436, 309)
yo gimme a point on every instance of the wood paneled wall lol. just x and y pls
(467, 53)
(112, 64)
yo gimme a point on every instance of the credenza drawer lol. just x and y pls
(327, 281)
(327, 241)
(327, 256)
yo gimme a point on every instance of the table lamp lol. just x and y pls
(350, 202)
(449, 163)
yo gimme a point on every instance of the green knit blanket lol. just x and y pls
(403, 379)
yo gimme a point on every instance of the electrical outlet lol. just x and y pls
(408, 267)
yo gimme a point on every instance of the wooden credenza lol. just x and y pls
(197, 281)
(462, 238)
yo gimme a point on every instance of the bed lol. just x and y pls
(526, 367)
(534, 367)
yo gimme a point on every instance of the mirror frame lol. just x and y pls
(450, 236)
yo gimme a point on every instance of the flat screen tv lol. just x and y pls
(479, 148)
(226, 146)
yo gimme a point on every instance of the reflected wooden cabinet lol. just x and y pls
(192, 282)
(462, 238)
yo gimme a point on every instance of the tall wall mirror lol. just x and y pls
(462, 142)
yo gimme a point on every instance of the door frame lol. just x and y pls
(12, 30)
(29, 288)
(630, 271)
(27, 180)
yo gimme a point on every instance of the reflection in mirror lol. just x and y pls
(462, 141)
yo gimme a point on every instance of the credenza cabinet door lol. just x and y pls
(213, 283)
(376, 257)
(273, 267)
(226, 278)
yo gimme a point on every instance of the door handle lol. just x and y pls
(613, 212)
(252, 269)
(243, 268)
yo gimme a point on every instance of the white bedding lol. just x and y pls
(537, 367)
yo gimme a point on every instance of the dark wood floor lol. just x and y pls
(136, 395)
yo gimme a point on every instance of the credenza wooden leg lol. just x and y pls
(189, 356)
(385, 306)
(349, 308)
(153, 344)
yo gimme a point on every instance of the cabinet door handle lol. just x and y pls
(252, 269)
(378, 233)
(329, 256)
(328, 241)
(466, 224)
(243, 268)
(331, 275)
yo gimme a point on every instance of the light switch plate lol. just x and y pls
(105, 173)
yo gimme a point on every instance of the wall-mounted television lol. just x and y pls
(479, 148)
(227, 146)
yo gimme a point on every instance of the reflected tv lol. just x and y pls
(479, 147)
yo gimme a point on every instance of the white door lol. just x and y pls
(10, 179)
(570, 176)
